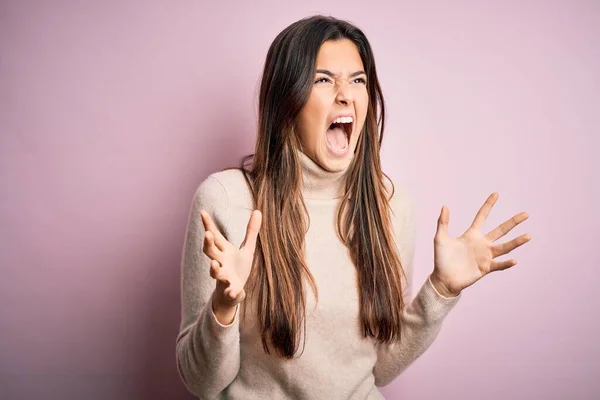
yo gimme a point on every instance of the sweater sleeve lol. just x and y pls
(423, 316)
(207, 352)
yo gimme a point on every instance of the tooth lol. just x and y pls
(343, 120)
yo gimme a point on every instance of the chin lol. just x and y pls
(333, 163)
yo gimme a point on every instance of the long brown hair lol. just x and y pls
(275, 180)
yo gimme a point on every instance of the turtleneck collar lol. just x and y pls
(319, 183)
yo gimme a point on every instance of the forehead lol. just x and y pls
(339, 56)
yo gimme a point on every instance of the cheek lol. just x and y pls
(310, 120)
(362, 104)
(315, 114)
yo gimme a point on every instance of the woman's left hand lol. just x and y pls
(460, 262)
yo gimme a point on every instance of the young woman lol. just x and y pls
(296, 269)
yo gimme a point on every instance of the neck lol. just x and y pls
(318, 183)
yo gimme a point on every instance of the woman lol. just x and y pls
(311, 246)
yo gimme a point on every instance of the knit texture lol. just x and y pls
(218, 361)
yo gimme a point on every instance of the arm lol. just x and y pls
(423, 316)
(208, 352)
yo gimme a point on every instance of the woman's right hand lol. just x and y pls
(229, 265)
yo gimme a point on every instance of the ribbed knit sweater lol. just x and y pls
(217, 361)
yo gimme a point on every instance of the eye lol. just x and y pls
(360, 80)
(322, 79)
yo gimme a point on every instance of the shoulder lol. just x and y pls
(221, 191)
(402, 218)
(401, 203)
(232, 180)
(403, 222)
(222, 186)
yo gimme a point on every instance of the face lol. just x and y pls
(330, 123)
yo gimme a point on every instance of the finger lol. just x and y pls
(230, 293)
(484, 211)
(502, 265)
(507, 247)
(252, 230)
(443, 221)
(216, 271)
(507, 226)
(210, 249)
(234, 293)
(210, 226)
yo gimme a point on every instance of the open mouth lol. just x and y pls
(339, 133)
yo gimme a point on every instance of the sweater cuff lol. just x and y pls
(218, 329)
(434, 304)
(438, 293)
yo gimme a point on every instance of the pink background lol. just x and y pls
(113, 112)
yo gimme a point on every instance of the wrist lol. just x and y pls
(441, 287)
(224, 312)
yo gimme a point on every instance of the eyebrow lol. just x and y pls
(331, 74)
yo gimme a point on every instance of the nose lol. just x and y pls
(344, 94)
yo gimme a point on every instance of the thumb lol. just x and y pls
(443, 221)
(252, 230)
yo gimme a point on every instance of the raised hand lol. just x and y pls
(460, 262)
(229, 265)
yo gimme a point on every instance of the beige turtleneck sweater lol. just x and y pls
(218, 361)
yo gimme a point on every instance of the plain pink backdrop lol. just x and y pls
(113, 112)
